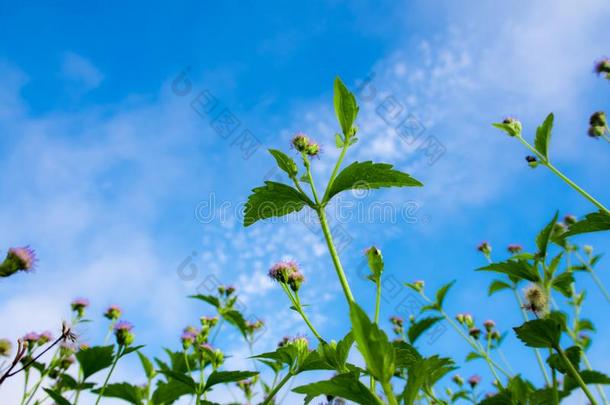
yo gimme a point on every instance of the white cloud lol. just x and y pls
(81, 71)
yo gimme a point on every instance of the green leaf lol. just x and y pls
(417, 328)
(336, 354)
(125, 391)
(285, 162)
(543, 136)
(424, 374)
(539, 333)
(588, 376)
(210, 299)
(556, 361)
(346, 107)
(440, 294)
(473, 356)
(512, 129)
(147, 365)
(374, 345)
(593, 222)
(273, 200)
(346, 386)
(563, 283)
(222, 377)
(518, 269)
(586, 324)
(339, 141)
(236, 319)
(168, 392)
(369, 175)
(94, 359)
(544, 237)
(496, 286)
(406, 355)
(57, 397)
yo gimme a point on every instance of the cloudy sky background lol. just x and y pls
(110, 174)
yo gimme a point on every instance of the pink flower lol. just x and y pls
(25, 256)
(474, 380)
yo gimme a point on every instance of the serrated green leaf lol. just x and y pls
(543, 136)
(374, 345)
(556, 361)
(417, 328)
(424, 374)
(168, 392)
(57, 397)
(369, 175)
(588, 376)
(147, 365)
(124, 391)
(586, 324)
(563, 283)
(442, 292)
(236, 319)
(473, 356)
(539, 333)
(94, 359)
(210, 299)
(496, 286)
(346, 386)
(223, 377)
(346, 108)
(406, 355)
(285, 162)
(183, 378)
(519, 269)
(273, 200)
(593, 222)
(544, 237)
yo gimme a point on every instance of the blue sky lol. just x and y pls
(107, 171)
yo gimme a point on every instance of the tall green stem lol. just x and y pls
(574, 373)
(336, 169)
(276, 389)
(114, 362)
(544, 161)
(376, 320)
(296, 302)
(389, 393)
(555, 387)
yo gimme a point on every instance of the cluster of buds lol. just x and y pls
(123, 333)
(514, 248)
(532, 161)
(490, 329)
(485, 248)
(465, 320)
(397, 325)
(303, 144)
(5, 347)
(79, 305)
(287, 273)
(18, 259)
(33, 339)
(213, 356)
(188, 337)
(474, 380)
(226, 291)
(113, 313)
(602, 67)
(536, 299)
(598, 126)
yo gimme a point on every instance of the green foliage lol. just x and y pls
(345, 386)
(521, 270)
(543, 136)
(417, 328)
(94, 359)
(593, 222)
(125, 391)
(273, 200)
(285, 162)
(539, 333)
(346, 108)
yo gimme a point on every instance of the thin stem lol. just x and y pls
(600, 389)
(114, 362)
(599, 284)
(554, 376)
(25, 386)
(276, 389)
(376, 321)
(574, 373)
(297, 305)
(505, 361)
(536, 351)
(491, 367)
(336, 169)
(389, 392)
(544, 161)
(217, 331)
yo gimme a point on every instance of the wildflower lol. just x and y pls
(484, 248)
(602, 67)
(230, 290)
(458, 380)
(489, 325)
(511, 126)
(66, 362)
(281, 271)
(79, 305)
(18, 259)
(536, 299)
(44, 337)
(598, 124)
(474, 381)
(113, 313)
(588, 249)
(570, 220)
(514, 248)
(124, 335)
(531, 161)
(31, 338)
(295, 279)
(303, 144)
(188, 338)
(254, 326)
(475, 333)
(66, 349)
(5, 347)
(396, 320)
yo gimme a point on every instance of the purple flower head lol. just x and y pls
(123, 325)
(300, 141)
(514, 248)
(188, 338)
(281, 271)
(474, 380)
(31, 337)
(113, 312)
(295, 279)
(25, 257)
(78, 305)
(45, 337)
(123, 334)
(489, 325)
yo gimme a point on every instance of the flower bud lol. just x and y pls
(124, 335)
(484, 248)
(536, 299)
(460, 318)
(514, 248)
(208, 321)
(113, 313)
(598, 119)
(458, 380)
(475, 333)
(602, 67)
(468, 320)
(419, 285)
(511, 126)
(31, 339)
(531, 161)
(281, 271)
(188, 339)
(570, 220)
(474, 381)
(44, 338)
(295, 279)
(588, 249)
(489, 325)
(18, 259)
(5, 347)
(300, 142)
(79, 305)
(285, 340)
(396, 320)
(230, 290)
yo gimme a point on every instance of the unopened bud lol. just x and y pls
(123, 333)
(5, 347)
(489, 325)
(531, 161)
(475, 333)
